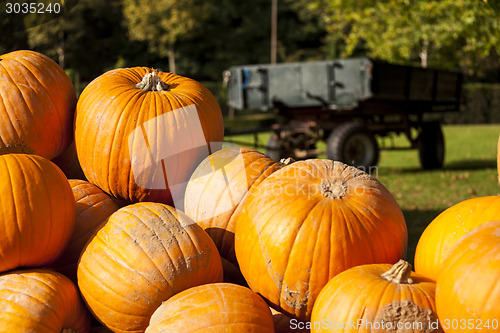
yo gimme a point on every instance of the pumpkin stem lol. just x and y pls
(332, 189)
(399, 273)
(152, 82)
(287, 161)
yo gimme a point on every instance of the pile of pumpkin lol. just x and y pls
(167, 232)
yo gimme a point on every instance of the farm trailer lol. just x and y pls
(347, 103)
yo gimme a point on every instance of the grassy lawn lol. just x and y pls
(469, 171)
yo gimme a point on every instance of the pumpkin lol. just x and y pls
(215, 307)
(140, 133)
(39, 300)
(37, 211)
(217, 189)
(376, 298)
(448, 227)
(144, 254)
(93, 207)
(37, 105)
(468, 284)
(309, 221)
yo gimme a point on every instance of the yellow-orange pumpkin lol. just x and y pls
(217, 190)
(41, 301)
(37, 105)
(93, 207)
(144, 254)
(448, 227)
(213, 308)
(140, 133)
(468, 284)
(37, 211)
(309, 221)
(376, 298)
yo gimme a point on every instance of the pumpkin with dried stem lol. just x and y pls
(309, 221)
(140, 133)
(379, 297)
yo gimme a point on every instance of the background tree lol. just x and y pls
(444, 33)
(162, 24)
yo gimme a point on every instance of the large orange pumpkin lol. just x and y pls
(41, 301)
(376, 298)
(37, 105)
(144, 254)
(140, 133)
(468, 284)
(37, 211)
(213, 308)
(217, 190)
(93, 207)
(309, 221)
(448, 227)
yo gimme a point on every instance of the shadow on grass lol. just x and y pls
(416, 222)
(463, 165)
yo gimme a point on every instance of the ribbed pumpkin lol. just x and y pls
(93, 207)
(468, 284)
(41, 301)
(37, 105)
(448, 227)
(376, 298)
(213, 308)
(140, 133)
(144, 254)
(309, 221)
(219, 186)
(37, 211)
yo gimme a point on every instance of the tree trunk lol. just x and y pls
(424, 55)
(60, 49)
(171, 59)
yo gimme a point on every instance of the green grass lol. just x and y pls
(469, 172)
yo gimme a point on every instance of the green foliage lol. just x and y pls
(203, 38)
(444, 33)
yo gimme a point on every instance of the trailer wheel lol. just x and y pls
(354, 144)
(431, 146)
(297, 145)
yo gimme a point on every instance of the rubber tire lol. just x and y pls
(431, 148)
(339, 139)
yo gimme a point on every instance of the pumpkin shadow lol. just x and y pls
(461, 165)
(416, 222)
